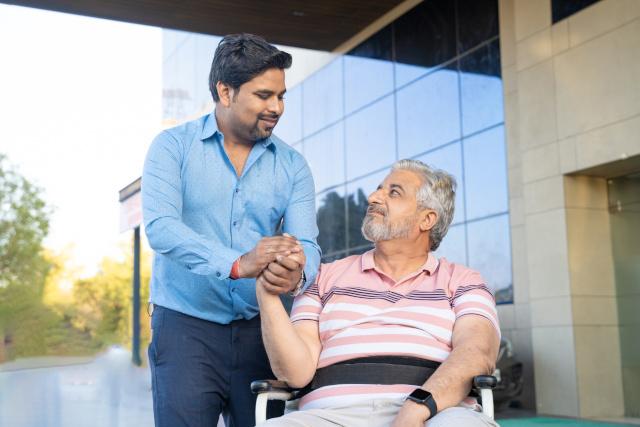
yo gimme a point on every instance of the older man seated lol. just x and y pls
(392, 337)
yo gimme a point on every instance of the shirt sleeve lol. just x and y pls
(307, 305)
(300, 218)
(472, 296)
(162, 213)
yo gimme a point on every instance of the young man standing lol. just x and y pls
(215, 191)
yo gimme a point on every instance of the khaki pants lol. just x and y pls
(377, 413)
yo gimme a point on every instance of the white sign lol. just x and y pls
(130, 206)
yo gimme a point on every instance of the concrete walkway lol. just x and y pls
(107, 391)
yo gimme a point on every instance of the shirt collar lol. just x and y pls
(369, 263)
(210, 127)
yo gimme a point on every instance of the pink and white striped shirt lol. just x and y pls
(363, 312)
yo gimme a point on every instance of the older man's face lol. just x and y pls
(393, 208)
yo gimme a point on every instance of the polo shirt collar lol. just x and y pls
(369, 263)
(210, 127)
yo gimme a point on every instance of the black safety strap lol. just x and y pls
(373, 370)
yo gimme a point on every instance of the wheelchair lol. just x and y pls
(267, 390)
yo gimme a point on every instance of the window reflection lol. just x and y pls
(561, 9)
(358, 193)
(485, 174)
(370, 138)
(481, 86)
(453, 246)
(490, 254)
(322, 97)
(365, 80)
(428, 113)
(449, 159)
(368, 70)
(289, 127)
(477, 22)
(324, 152)
(331, 221)
(424, 38)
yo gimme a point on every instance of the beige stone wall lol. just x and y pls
(572, 101)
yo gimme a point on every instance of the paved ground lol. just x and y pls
(109, 391)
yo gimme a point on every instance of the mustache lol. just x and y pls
(376, 209)
(269, 116)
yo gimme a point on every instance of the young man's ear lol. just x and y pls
(428, 219)
(224, 93)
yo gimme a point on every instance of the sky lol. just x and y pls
(80, 102)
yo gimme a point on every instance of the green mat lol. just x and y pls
(554, 422)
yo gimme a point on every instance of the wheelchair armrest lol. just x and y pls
(485, 382)
(263, 386)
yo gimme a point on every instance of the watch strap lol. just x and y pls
(428, 401)
(299, 287)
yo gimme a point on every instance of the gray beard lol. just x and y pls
(377, 232)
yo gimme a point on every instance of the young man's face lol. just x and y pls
(257, 105)
(393, 209)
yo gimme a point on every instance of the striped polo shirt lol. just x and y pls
(363, 312)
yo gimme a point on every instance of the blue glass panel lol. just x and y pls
(481, 86)
(485, 173)
(561, 9)
(477, 22)
(365, 80)
(324, 152)
(330, 207)
(449, 159)
(428, 113)
(322, 97)
(490, 253)
(370, 138)
(424, 38)
(368, 70)
(453, 246)
(358, 192)
(289, 128)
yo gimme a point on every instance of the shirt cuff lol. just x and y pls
(221, 262)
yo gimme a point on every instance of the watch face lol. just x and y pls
(420, 394)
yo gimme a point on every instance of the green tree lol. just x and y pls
(24, 223)
(103, 303)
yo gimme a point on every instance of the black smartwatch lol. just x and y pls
(425, 398)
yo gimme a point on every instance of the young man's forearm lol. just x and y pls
(290, 357)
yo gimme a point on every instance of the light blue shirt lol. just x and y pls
(200, 217)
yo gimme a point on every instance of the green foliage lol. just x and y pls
(24, 223)
(35, 318)
(103, 303)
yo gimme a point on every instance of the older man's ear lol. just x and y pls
(428, 219)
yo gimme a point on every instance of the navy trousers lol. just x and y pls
(202, 369)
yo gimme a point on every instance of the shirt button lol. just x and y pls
(235, 223)
(218, 274)
(237, 190)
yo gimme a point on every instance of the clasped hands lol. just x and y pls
(276, 263)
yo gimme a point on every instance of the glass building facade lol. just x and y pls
(427, 86)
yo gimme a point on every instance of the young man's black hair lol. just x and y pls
(241, 57)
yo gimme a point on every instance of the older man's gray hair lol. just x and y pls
(438, 192)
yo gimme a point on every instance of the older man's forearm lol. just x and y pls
(290, 357)
(474, 353)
